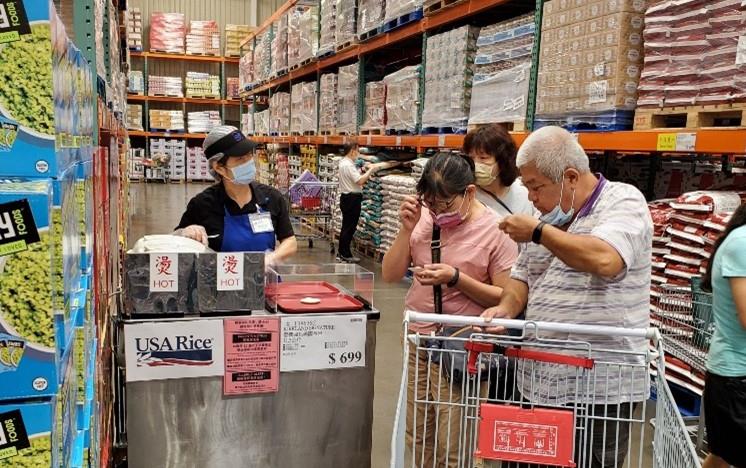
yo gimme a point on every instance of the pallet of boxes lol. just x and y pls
(234, 35)
(134, 29)
(694, 66)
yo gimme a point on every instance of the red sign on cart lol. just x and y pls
(252, 355)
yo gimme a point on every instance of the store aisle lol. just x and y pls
(156, 209)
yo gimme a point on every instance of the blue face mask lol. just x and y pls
(245, 173)
(557, 217)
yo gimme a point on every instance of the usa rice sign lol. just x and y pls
(176, 349)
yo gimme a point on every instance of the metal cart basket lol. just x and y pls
(311, 205)
(546, 397)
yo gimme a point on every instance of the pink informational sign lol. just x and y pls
(252, 355)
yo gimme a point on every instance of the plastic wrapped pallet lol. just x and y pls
(99, 10)
(246, 69)
(398, 8)
(309, 33)
(134, 29)
(262, 57)
(370, 14)
(280, 48)
(166, 120)
(202, 85)
(692, 54)
(203, 38)
(136, 82)
(503, 71)
(167, 32)
(232, 90)
(261, 122)
(328, 104)
(347, 97)
(375, 106)
(293, 36)
(296, 103)
(309, 108)
(203, 121)
(279, 111)
(234, 35)
(402, 97)
(165, 86)
(328, 21)
(448, 79)
(345, 31)
(247, 123)
(589, 66)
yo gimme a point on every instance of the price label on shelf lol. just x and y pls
(666, 142)
(398, 141)
(326, 140)
(441, 140)
(686, 141)
(368, 140)
(331, 342)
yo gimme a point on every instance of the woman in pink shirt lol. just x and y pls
(476, 258)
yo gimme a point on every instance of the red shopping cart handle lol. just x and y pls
(554, 358)
(474, 349)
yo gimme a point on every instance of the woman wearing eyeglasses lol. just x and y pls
(475, 264)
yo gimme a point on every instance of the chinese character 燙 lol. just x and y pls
(229, 264)
(163, 264)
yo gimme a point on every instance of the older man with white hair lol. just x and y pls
(587, 261)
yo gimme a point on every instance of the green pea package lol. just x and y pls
(40, 433)
(47, 95)
(39, 295)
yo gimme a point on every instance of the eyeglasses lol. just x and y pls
(436, 206)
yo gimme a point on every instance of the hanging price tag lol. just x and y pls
(666, 142)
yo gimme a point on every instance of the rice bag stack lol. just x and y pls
(375, 106)
(590, 62)
(279, 112)
(418, 168)
(203, 38)
(280, 43)
(347, 94)
(328, 13)
(692, 54)
(369, 228)
(234, 35)
(328, 104)
(448, 80)
(346, 30)
(402, 97)
(503, 72)
(167, 32)
(395, 189)
(370, 15)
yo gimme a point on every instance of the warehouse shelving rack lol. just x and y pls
(711, 141)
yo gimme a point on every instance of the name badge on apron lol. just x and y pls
(261, 222)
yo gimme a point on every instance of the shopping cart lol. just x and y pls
(684, 318)
(311, 205)
(543, 398)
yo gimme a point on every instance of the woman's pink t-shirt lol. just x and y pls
(477, 248)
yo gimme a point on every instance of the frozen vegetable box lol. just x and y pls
(40, 433)
(35, 315)
(47, 93)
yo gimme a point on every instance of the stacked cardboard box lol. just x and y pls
(134, 117)
(165, 86)
(328, 13)
(303, 108)
(280, 49)
(309, 33)
(203, 38)
(134, 29)
(136, 157)
(136, 82)
(167, 32)
(402, 97)
(503, 72)
(246, 70)
(234, 35)
(345, 25)
(370, 14)
(203, 121)
(261, 122)
(174, 151)
(166, 120)
(262, 54)
(448, 79)
(347, 99)
(589, 68)
(279, 111)
(202, 85)
(693, 54)
(375, 106)
(197, 165)
(232, 90)
(328, 104)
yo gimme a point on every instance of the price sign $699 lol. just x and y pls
(350, 357)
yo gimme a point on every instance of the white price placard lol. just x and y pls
(230, 271)
(164, 272)
(686, 141)
(441, 140)
(329, 342)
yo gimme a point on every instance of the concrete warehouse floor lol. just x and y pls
(156, 209)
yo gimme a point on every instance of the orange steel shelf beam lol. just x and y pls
(186, 136)
(462, 10)
(178, 100)
(185, 57)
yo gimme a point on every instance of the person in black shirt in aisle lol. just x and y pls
(238, 214)
(351, 182)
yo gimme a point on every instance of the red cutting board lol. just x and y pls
(301, 288)
(329, 303)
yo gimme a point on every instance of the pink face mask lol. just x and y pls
(450, 219)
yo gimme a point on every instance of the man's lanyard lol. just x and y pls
(497, 199)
